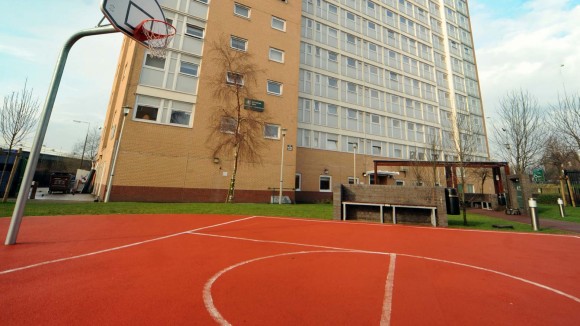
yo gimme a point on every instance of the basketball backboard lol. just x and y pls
(126, 15)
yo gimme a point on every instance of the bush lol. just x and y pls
(548, 198)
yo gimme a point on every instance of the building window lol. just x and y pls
(351, 62)
(238, 43)
(188, 68)
(333, 56)
(228, 125)
(332, 82)
(194, 31)
(234, 78)
(271, 131)
(298, 182)
(325, 183)
(146, 113)
(351, 39)
(276, 55)
(155, 62)
(241, 10)
(203, 1)
(279, 24)
(399, 183)
(274, 88)
(180, 118)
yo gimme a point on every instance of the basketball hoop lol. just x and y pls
(156, 35)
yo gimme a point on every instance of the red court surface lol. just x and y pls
(213, 269)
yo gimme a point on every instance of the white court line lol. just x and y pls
(545, 287)
(389, 285)
(208, 298)
(119, 247)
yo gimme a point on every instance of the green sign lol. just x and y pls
(538, 175)
(255, 105)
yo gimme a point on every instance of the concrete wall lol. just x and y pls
(413, 196)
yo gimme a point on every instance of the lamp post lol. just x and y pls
(354, 147)
(282, 166)
(86, 138)
(117, 145)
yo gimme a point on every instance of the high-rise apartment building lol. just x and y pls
(352, 81)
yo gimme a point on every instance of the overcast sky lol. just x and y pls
(518, 44)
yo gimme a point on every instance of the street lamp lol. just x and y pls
(282, 166)
(354, 147)
(86, 138)
(117, 145)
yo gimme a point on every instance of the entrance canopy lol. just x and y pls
(450, 166)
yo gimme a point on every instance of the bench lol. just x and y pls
(393, 206)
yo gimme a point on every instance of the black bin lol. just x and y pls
(452, 201)
(501, 200)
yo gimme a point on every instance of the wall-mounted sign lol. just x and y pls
(255, 105)
(289, 147)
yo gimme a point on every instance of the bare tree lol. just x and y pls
(520, 131)
(481, 174)
(93, 139)
(464, 141)
(566, 119)
(236, 131)
(433, 155)
(557, 156)
(17, 118)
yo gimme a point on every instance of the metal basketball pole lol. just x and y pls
(18, 212)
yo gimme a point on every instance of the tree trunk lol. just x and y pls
(230, 197)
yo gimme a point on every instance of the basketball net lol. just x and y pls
(156, 35)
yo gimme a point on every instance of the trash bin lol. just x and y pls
(501, 200)
(452, 201)
(61, 182)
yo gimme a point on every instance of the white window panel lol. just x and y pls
(272, 131)
(234, 78)
(189, 68)
(239, 43)
(155, 62)
(194, 31)
(241, 10)
(274, 88)
(278, 23)
(276, 55)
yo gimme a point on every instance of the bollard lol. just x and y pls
(561, 204)
(533, 205)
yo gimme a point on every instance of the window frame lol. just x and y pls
(137, 109)
(298, 176)
(277, 137)
(272, 82)
(329, 183)
(181, 62)
(171, 111)
(274, 50)
(197, 28)
(239, 39)
(231, 81)
(274, 18)
(239, 5)
(151, 57)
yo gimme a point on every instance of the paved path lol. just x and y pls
(544, 222)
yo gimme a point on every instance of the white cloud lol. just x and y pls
(526, 50)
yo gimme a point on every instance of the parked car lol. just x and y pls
(61, 182)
